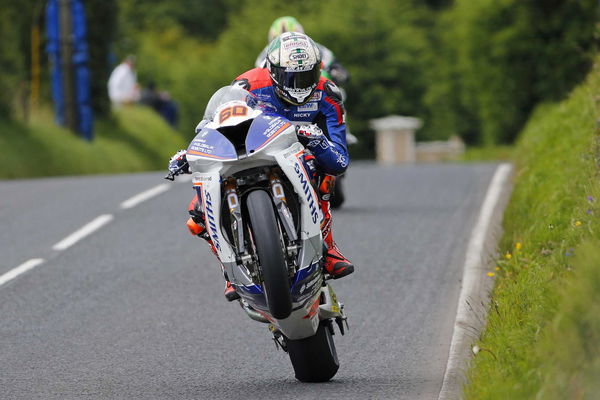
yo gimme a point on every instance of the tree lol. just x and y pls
(101, 33)
(15, 49)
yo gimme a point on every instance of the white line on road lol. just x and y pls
(21, 269)
(82, 232)
(470, 282)
(184, 178)
(145, 195)
(86, 230)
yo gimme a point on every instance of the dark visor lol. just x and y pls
(296, 79)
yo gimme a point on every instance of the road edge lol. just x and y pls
(476, 285)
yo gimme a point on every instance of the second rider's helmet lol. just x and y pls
(294, 64)
(282, 25)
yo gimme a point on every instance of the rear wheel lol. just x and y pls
(338, 197)
(267, 239)
(314, 358)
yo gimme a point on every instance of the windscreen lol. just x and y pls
(227, 94)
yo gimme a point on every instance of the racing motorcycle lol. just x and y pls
(263, 218)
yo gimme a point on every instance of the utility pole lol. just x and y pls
(66, 55)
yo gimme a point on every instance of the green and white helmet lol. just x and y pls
(294, 63)
(282, 25)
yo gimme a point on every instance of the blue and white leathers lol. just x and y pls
(324, 108)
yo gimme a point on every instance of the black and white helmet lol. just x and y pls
(294, 63)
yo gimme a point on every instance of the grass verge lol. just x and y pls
(542, 340)
(134, 139)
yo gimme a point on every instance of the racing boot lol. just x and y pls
(197, 226)
(336, 264)
(230, 293)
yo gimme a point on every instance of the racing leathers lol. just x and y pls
(325, 109)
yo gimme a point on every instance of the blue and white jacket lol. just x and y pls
(325, 109)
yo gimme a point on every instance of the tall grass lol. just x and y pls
(134, 139)
(543, 332)
(570, 351)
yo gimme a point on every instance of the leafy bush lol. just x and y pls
(500, 58)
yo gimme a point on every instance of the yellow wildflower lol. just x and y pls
(497, 268)
(577, 223)
(490, 274)
(508, 256)
(518, 246)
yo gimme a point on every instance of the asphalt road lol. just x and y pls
(136, 309)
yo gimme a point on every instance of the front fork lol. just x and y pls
(280, 201)
(235, 213)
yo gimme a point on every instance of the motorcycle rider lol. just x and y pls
(291, 85)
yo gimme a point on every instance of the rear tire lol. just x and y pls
(338, 197)
(267, 239)
(314, 358)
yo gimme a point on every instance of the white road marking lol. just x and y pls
(184, 178)
(21, 269)
(88, 229)
(84, 231)
(145, 195)
(471, 276)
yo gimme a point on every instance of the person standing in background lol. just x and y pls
(122, 84)
(161, 102)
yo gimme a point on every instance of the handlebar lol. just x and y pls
(172, 174)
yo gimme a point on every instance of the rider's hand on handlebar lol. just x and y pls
(310, 135)
(178, 163)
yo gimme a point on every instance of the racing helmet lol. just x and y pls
(284, 24)
(294, 64)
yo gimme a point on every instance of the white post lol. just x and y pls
(395, 139)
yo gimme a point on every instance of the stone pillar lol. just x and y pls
(395, 139)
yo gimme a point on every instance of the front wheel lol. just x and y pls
(314, 358)
(267, 239)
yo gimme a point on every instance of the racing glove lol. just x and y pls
(178, 163)
(310, 136)
(331, 158)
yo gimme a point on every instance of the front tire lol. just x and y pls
(267, 239)
(314, 358)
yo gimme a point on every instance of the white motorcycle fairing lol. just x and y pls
(270, 142)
